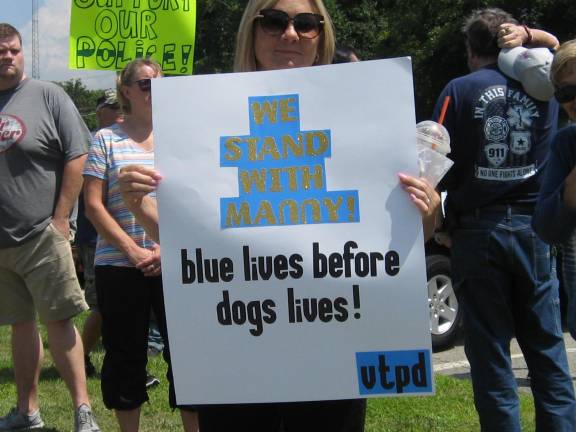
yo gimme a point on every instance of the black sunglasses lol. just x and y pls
(144, 84)
(275, 22)
(565, 94)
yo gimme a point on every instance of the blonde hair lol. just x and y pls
(564, 61)
(126, 78)
(245, 57)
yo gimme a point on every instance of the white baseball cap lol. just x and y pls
(531, 67)
(109, 98)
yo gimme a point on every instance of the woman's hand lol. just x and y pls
(137, 254)
(422, 194)
(151, 266)
(137, 181)
(511, 35)
(425, 198)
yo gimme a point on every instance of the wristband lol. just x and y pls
(529, 33)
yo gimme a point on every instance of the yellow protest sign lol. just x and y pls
(108, 34)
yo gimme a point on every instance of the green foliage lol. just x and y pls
(83, 98)
(428, 32)
(217, 24)
(359, 25)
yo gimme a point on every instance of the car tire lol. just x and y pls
(445, 314)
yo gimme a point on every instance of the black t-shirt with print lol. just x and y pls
(499, 139)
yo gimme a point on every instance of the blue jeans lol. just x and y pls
(568, 275)
(155, 339)
(505, 283)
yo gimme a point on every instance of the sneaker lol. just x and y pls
(17, 421)
(151, 380)
(84, 420)
(89, 367)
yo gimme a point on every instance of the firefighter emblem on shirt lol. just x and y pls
(496, 129)
(506, 116)
(519, 117)
(496, 153)
(520, 142)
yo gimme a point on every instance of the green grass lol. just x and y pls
(451, 409)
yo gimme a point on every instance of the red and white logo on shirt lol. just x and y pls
(12, 130)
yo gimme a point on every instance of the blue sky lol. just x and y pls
(54, 26)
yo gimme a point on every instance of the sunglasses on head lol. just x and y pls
(565, 94)
(275, 22)
(144, 84)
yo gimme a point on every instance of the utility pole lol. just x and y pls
(35, 40)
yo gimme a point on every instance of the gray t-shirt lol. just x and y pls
(40, 129)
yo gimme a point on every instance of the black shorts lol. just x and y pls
(126, 299)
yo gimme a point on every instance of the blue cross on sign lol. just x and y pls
(281, 172)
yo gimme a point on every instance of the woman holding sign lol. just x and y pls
(276, 34)
(127, 293)
(265, 23)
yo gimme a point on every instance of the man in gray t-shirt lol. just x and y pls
(43, 145)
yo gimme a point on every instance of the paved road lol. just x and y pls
(453, 362)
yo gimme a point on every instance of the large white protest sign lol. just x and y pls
(293, 262)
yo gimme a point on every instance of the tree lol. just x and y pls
(83, 98)
(217, 24)
(428, 32)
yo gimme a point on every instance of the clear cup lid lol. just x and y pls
(435, 135)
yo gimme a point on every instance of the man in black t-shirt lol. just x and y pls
(502, 272)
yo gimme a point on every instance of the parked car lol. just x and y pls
(445, 315)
